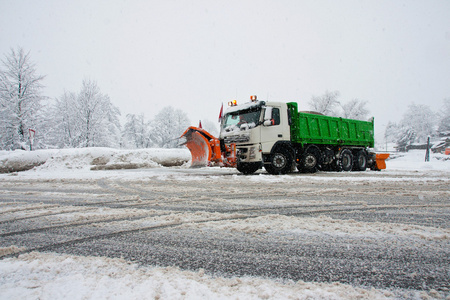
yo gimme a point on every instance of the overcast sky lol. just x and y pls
(194, 55)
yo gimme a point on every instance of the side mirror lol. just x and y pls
(267, 114)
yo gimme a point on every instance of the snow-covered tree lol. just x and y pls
(65, 133)
(417, 124)
(86, 119)
(135, 132)
(405, 137)
(326, 104)
(167, 127)
(391, 132)
(354, 109)
(98, 117)
(20, 100)
(444, 118)
(421, 119)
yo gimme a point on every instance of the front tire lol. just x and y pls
(281, 162)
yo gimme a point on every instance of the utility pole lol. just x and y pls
(427, 154)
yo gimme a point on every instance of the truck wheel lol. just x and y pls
(345, 161)
(310, 160)
(281, 162)
(360, 163)
(247, 168)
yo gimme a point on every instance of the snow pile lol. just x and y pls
(91, 158)
(21, 160)
(54, 276)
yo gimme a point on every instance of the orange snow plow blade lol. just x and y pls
(206, 150)
(197, 141)
(380, 162)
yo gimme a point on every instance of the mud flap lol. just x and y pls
(380, 163)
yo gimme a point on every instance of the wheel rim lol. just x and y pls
(279, 161)
(310, 161)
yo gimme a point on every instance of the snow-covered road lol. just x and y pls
(385, 232)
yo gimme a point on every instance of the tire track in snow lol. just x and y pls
(19, 209)
(44, 215)
(117, 233)
(165, 226)
(75, 224)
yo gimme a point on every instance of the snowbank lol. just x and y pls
(55, 276)
(21, 160)
(91, 158)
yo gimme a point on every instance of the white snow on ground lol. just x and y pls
(54, 276)
(415, 160)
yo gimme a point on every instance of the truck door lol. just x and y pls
(272, 129)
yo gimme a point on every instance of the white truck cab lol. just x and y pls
(256, 128)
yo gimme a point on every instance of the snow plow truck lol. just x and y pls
(279, 138)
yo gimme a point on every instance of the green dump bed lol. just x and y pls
(309, 128)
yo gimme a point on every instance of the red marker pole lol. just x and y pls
(32, 133)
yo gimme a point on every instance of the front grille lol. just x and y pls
(238, 138)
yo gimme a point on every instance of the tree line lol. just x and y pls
(88, 118)
(417, 124)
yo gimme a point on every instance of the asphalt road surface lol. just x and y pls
(366, 229)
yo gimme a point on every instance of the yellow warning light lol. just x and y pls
(253, 98)
(232, 103)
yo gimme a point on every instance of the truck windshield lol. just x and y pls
(242, 119)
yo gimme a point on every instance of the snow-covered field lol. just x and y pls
(38, 275)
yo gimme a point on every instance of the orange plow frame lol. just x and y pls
(206, 151)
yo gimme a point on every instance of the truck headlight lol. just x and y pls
(252, 152)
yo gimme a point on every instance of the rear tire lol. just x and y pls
(345, 161)
(360, 162)
(247, 168)
(310, 160)
(281, 162)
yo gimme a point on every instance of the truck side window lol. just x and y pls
(276, 116)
